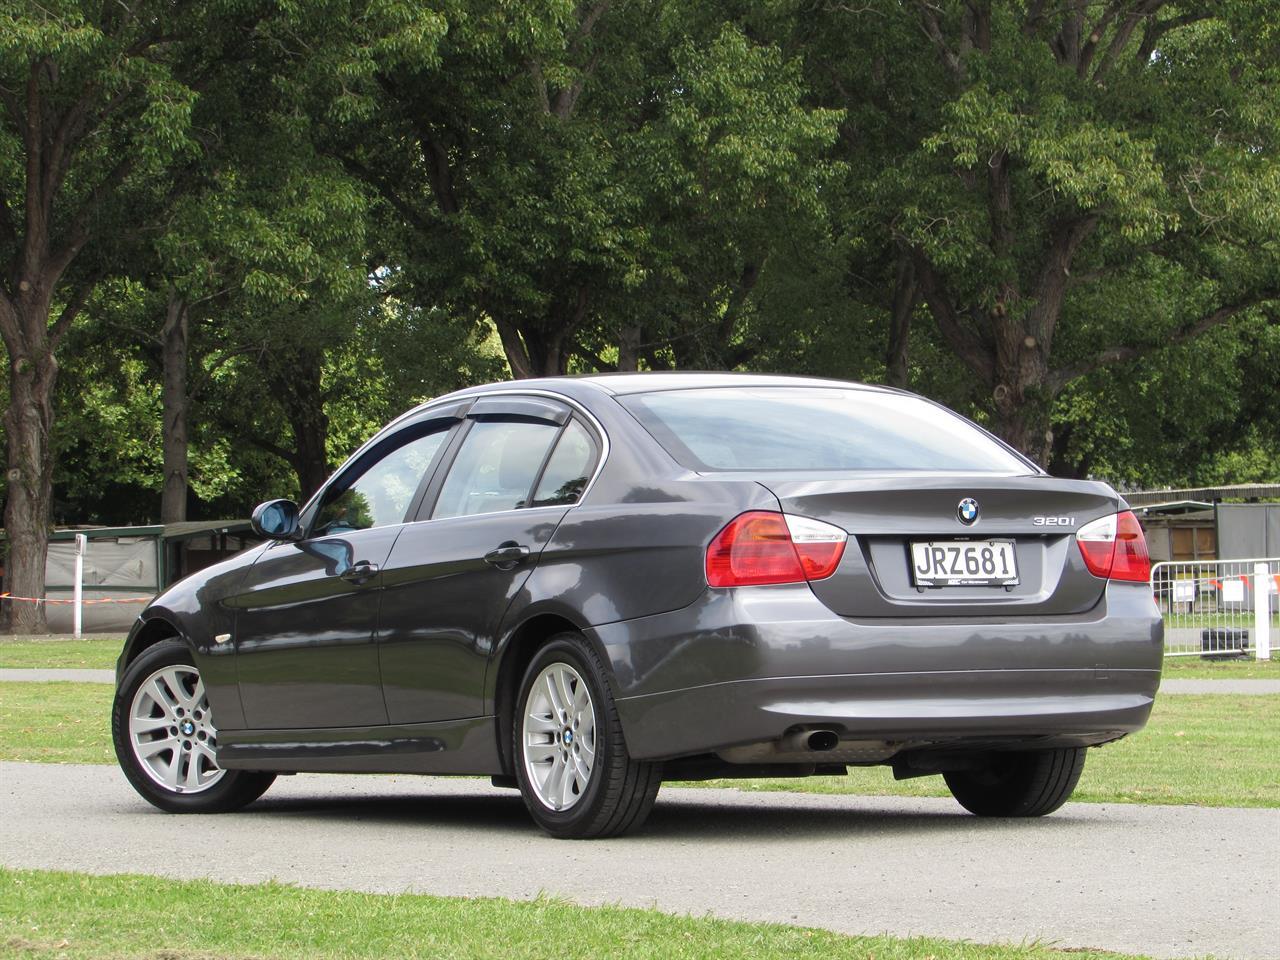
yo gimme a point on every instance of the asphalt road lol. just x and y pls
(1167, 881)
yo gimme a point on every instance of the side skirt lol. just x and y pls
(452, 746)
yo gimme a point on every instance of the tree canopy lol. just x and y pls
(237, 236)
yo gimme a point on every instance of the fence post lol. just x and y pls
(1261, 611)
(78, 589)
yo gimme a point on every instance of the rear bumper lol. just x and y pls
(749, 665)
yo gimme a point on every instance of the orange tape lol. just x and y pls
(46, 600)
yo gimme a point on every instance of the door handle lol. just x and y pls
(360, 571)
(506, 555)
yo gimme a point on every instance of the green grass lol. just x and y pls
(46, 914)
(1193, 668)
(1211, 750)
(56, 722)
(98, 653)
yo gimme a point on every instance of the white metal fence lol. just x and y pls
(1218, 608)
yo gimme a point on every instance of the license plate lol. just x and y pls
(960, 563)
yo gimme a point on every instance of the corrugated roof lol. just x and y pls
(1238, 491)
(168, 531)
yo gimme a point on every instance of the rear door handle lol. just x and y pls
(360, 571)
(506, 555)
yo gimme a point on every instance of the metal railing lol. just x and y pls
(1218, 608)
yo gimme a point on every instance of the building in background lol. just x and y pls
(129, 565)
(1210, 523)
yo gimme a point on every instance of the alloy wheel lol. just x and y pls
(559, 736)
(171, 731)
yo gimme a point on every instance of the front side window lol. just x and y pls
(381, 495)
(807, 428)
(494, 468)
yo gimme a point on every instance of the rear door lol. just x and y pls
(518, 465)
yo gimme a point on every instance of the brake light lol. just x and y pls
(762, 547)
(1114, 548)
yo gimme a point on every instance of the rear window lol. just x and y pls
(800, 428)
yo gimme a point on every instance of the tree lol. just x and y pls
(94, 105)
(237, 260)
(1062, 187)
(589, 178)
(334, 373)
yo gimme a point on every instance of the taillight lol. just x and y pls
(1115, 549)
(762, 547)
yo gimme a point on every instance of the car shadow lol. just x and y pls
(783, 818)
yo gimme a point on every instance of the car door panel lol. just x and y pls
(450, 580)
(307, 612)
(442, 606)
(305, 649)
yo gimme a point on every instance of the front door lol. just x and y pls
(307, 611)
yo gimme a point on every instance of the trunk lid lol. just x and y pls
(884, 515)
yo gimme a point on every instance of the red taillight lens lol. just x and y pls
(1114, 548)
(762, 547)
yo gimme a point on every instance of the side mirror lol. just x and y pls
(276, 520)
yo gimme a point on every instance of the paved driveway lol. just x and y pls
(1166, 881)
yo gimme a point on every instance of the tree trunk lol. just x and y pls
(33, 370)
(629, 338)
(1007, 345)
(301, 392)
(311, 434)
(904, 303)
(175, 403)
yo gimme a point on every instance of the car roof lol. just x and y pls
(622, 384)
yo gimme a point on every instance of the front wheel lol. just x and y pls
(1029, 784)
(572, 765)
(165, 737)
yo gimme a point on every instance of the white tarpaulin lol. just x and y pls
(128, 562)
(125, 565)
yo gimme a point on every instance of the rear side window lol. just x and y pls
(495, 467)
(568, 469)
(800, 428)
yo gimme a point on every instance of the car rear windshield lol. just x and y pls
(801, 428)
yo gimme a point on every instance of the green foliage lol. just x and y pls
(364, 203)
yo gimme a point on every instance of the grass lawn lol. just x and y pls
(45, 914)
(97, 653)
(1212, 750)
(1193, 668)
(56, 722)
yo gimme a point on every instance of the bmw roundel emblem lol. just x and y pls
(967, 511)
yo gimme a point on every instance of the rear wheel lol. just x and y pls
(1028, 784)
(572, 765)
(165, 737)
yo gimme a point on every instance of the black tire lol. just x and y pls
(235, 789)
(620, 791)
(1028, 784)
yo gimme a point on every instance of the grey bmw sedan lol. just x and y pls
(582, 587)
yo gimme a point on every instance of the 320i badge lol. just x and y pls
(584, 586)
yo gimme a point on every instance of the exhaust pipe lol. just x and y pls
(822, 740)
(809, 741)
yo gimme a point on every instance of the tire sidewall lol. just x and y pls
(166, 653)
(569, 649)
